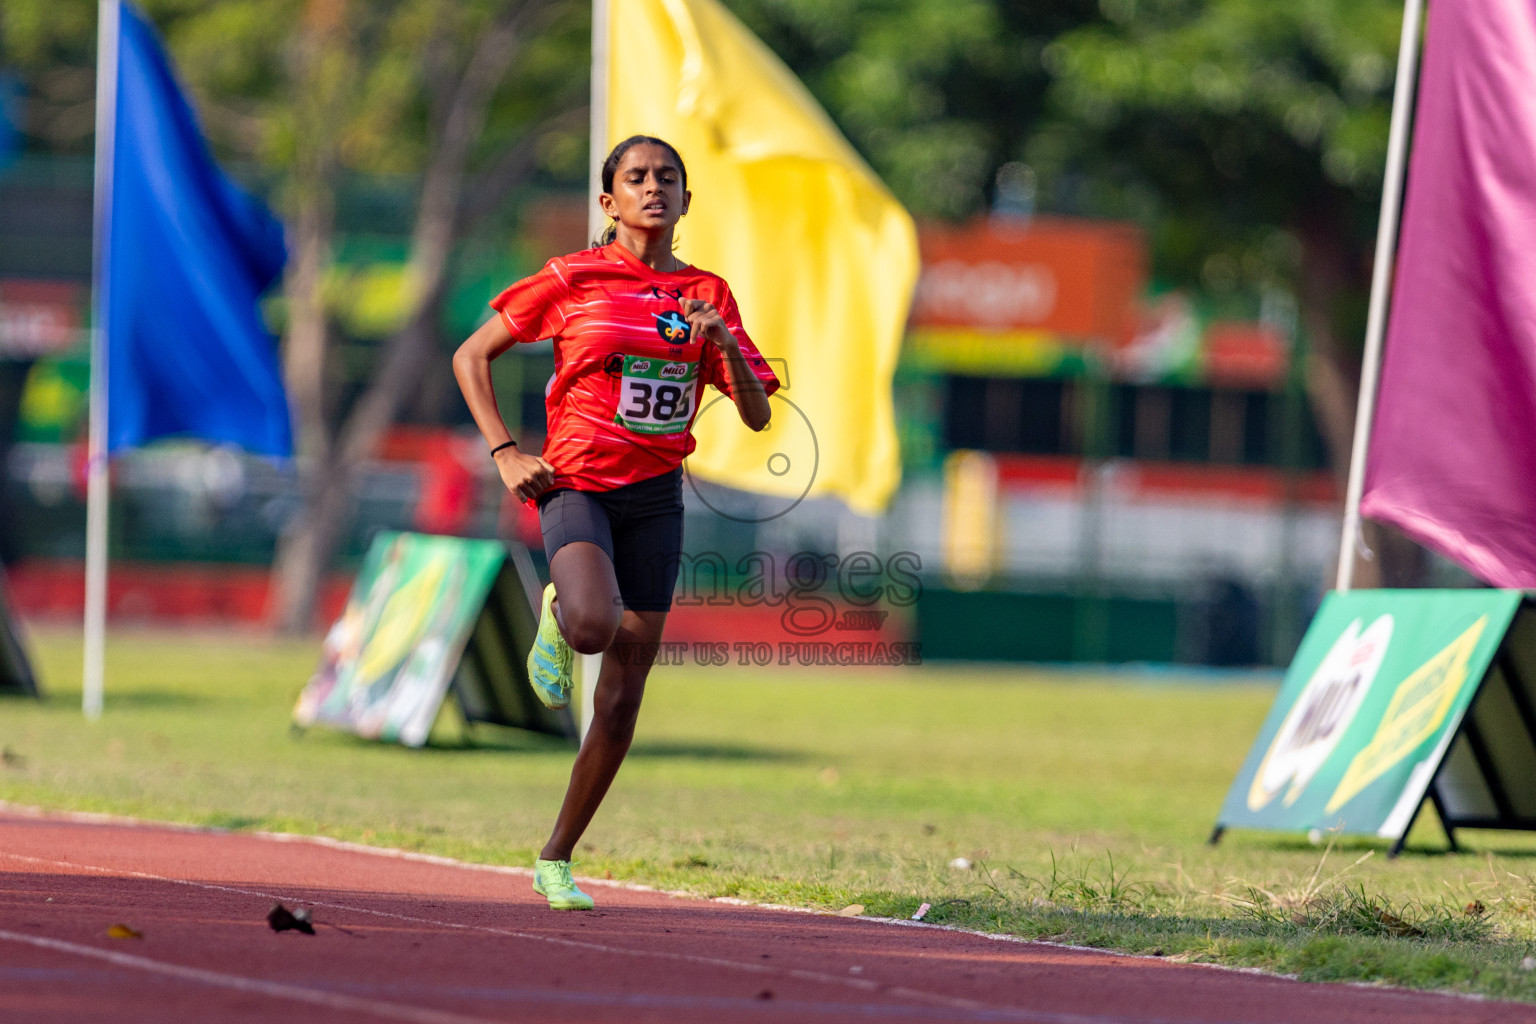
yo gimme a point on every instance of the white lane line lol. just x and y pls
(866, 985)
(240, 983)
(124, 821)
(640, 1001)
(391, 853)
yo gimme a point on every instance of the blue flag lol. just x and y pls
(188, 255)
(10, 118)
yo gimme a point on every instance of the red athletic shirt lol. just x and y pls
(628, 374)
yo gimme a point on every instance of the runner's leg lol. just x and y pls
(616, 707)
(587, 603)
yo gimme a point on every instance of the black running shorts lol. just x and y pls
(639, 525)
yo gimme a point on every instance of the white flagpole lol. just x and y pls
(109, 23)
(599, 109)
(591, 664)
(1381, 282)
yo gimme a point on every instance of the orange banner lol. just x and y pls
(1077, 278)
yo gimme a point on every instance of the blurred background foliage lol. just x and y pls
(243, 60)
(1227, 128)
(405, 140)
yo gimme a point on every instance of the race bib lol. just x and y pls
(656, 395)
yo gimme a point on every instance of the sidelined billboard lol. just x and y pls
(1061, 296)
(429, 616)
(1369, 709)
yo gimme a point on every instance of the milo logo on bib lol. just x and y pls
(656, 395)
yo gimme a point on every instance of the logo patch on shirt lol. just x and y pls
(674, 371)
(672, 327)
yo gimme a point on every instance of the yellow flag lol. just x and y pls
(821, 258)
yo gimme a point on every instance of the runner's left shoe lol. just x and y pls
(552, 880)
(549, 662)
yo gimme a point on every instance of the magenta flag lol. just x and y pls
(1452, 458)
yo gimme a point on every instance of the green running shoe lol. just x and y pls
(549, 662)
(552, 880)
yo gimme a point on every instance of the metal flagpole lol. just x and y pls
(599, 109)
(109, 23)
(1381, 282)
(591, 664)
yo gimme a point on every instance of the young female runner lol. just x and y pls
(637, 334)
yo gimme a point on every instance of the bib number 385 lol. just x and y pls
(656, 395)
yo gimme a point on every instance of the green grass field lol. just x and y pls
(1084, 802)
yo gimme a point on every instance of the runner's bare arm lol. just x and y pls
(525, 475)
(746, 390)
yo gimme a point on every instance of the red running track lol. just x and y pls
(436, 942)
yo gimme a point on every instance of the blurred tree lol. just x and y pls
(937, 94)
(1252, 136)
(463, 94)
(1247, 137)
(468, 97)
(53, 43)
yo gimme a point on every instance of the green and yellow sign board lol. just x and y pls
(428, 616)
(1377, 695)
(16, 674)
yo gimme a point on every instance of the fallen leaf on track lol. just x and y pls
(851, 910)
(122, 931)
(283, 920)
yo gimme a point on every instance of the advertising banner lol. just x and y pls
(1370, 706)
(427, 613)
(1076, 278)
(1034, 300)
(40, 318)
(1488, 779)
(16, 675)
(1069, 297)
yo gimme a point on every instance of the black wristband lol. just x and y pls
(504, 444)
